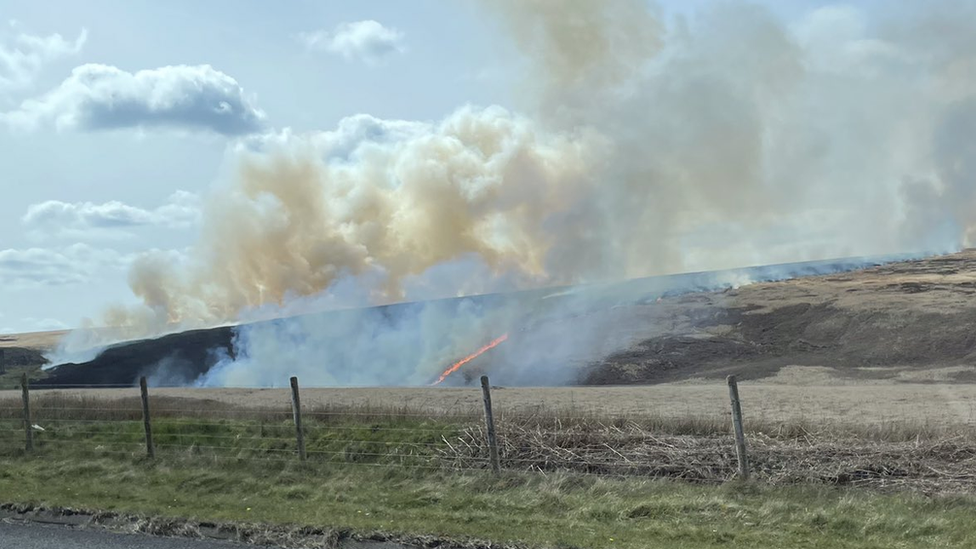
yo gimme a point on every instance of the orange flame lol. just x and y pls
(454, 367)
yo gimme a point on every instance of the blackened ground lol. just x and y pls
(869, 324)
(21, 356)
(872, 323)
(185, 356)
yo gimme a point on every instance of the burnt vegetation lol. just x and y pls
(864, 325)
(910, 314)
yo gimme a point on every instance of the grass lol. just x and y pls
(58, 405)
(558, 510)
(895, 455)
(91, 428)
(390, 470)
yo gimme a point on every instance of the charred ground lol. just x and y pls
(875, 323)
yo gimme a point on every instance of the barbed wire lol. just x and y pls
(556, 416)
(551, 461)
(250, 410)
(35, 386)
(546, 441)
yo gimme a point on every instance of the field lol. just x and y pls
(918, 437)
(588, 467)
(887, 465)
(932, 403)
(33, 340)
(857, 395)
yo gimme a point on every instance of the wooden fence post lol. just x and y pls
(3, 363)
(296, 406)
(28, 424)
(144, 389)
(490, 425)
(740, 437)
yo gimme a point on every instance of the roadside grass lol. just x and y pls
(403, 473)
(554, 510)
(384, 470)
(402, 441)
(920, 456)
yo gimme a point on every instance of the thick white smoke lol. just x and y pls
(643, 147)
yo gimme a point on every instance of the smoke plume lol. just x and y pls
(643, 146)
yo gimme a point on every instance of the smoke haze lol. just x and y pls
(643, 147)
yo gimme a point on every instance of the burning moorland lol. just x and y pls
(890, 320)
(654, 149)
(652, 208)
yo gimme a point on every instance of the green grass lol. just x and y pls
(545, 511)
(376, 470)
(370, 494)
(409, 442)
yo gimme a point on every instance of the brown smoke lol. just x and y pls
(726, 140)
(289, 225)
(580, 50)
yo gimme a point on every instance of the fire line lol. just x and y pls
(454, 367)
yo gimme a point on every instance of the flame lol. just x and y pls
(454, 367)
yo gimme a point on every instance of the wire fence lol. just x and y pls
(138, 425)
(55, 422)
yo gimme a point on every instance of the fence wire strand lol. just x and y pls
(455, 439)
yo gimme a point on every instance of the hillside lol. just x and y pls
(911, 318)
(884, 322)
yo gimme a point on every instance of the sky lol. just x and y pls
(59, 267)
(116, 119)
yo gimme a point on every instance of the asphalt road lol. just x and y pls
(38, 536)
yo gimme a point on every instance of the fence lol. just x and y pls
(144, 426)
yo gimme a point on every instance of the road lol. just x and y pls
(15, 535)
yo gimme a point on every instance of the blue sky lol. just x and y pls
(117, 117)
(444, 63)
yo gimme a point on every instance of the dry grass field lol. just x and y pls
(783, 398)
(879, 464)
(33, 340)
(916, 437)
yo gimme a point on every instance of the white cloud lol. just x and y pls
(367, 40)
(23, 55)
(103, 97)
(75, 264)
(79, 219)
(354, 136)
